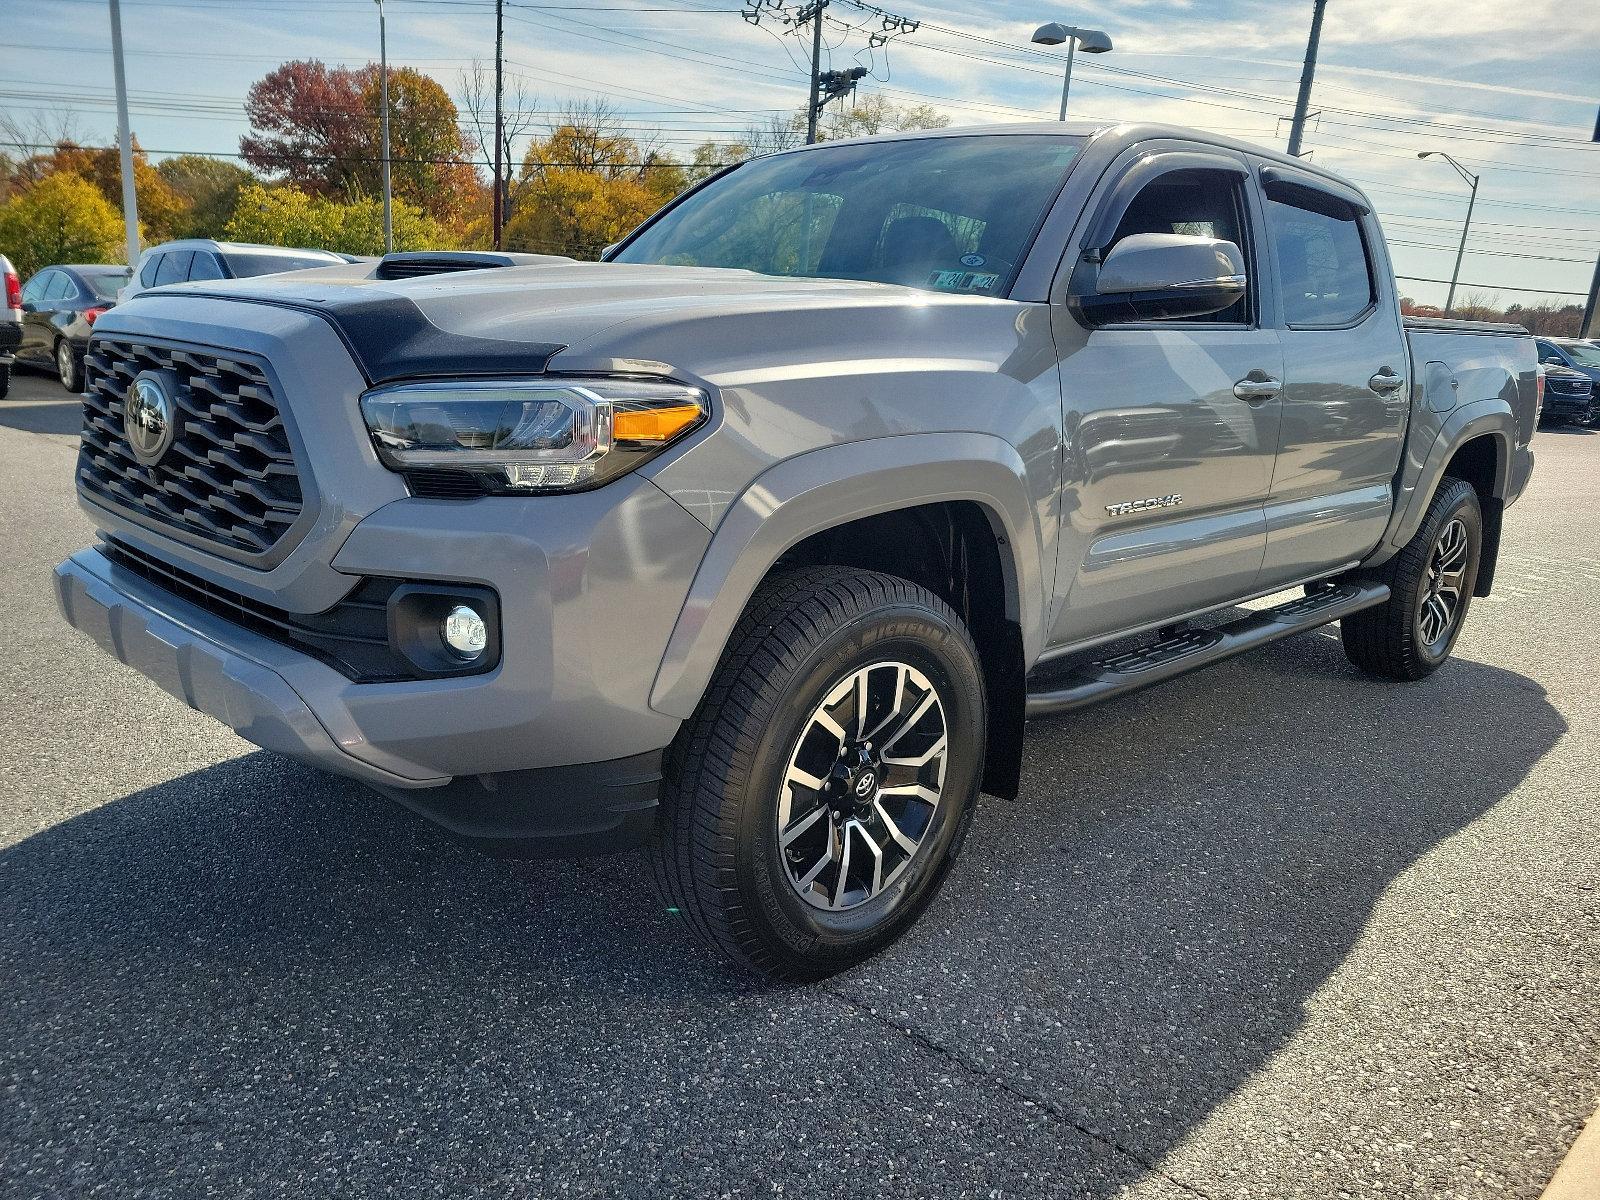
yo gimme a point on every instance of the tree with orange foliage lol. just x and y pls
(317, 127)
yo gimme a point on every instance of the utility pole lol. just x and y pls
(1590, 326)
(814, 15)
(130, 198)
(1472, 181)
(383, 69)
(1303, 101)
(499, 120)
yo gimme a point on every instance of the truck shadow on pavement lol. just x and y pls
(257, 973)
(48, 416)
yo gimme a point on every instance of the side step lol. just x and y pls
(1192, 648)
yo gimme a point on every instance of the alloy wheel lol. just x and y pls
(862, 786)
(1442, 586)
(64, 362)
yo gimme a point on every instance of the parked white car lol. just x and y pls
(202, 258)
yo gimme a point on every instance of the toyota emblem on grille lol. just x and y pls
(149, 418)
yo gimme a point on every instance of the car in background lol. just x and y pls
(1572, 353)
(1568, 396)
(10, 320)
(60, 305)
(202, 258)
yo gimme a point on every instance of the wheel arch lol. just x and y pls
(949, 511)
(1474, 443)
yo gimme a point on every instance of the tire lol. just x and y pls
(721, 858)
(1406, 637)
(5, 379)
(69, 366)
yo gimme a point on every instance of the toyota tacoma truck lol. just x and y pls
(758, 542)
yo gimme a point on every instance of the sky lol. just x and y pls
(1511, 90)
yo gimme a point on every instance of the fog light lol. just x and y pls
(465, 631)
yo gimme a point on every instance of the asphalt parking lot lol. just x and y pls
(1273, 931)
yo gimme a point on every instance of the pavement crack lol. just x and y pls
(980, 1071)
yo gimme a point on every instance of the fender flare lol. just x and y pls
(1419, 482)
(832, 486)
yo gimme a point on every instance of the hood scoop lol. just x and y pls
(410, 264)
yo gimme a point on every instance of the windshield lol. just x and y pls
(952, 214)
(1589, 356)
(244, 264)
(104, 284)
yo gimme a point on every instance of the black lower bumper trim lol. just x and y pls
(557, 812)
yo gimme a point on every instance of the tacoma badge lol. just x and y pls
(1133, 506)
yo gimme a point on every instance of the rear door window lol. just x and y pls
(174, 267)
(147, 273)
(1324, 270)
(204, 266)
(61, 287)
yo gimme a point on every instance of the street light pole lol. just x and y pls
(1472, 199)
(383, 69)
(1093, 41)
(130, 197)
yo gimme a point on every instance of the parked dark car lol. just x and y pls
(1572, 353)
(60, 305)
(1568, 396)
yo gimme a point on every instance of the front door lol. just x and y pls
(1170, 431)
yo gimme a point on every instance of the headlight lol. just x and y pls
(535, 435)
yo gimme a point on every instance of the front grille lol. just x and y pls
(228, 480)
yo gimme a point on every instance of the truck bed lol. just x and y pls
(1456, 325)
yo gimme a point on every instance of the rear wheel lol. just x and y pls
(5, 379)
(69, 366)
(1411, 634)
(815, 801)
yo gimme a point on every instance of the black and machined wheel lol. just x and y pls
(69, 366)
(1411, 634)
(817, 797)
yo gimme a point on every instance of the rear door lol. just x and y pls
(1170, 427)
(1346, 397)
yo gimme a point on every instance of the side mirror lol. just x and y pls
(29, 306)
(1553, 361)
(1159, 277)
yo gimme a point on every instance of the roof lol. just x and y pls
(1124, 132)
(253, 247)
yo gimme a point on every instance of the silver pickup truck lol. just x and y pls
(759, 542)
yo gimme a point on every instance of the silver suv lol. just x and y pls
(201, 258)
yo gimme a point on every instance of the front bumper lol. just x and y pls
(557, 742)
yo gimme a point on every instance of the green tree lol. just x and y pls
(208, 188)
(587, 184)
(286, 216)
(61, 218)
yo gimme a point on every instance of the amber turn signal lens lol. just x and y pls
(653, 424)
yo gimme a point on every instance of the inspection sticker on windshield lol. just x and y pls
(963, 281)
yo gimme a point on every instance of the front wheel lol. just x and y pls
(815, 801)
(1410, 635)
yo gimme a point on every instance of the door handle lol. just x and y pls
(1257, 387)
(1386, 381)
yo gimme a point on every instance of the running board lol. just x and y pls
(1194, 647)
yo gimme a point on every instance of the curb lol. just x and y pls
(1578, 1176)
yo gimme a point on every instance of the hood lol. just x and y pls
(515, 319)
